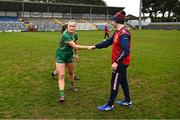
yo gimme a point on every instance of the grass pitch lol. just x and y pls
(28, 92)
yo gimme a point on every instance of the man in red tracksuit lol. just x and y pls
(121, 43)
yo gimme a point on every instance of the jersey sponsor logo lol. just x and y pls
(116, 38)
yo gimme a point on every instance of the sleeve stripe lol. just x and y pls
(122, 54)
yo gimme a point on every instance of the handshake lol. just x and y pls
(91, 47)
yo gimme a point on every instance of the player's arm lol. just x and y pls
(125, 45)
(108, 30)
(76, 57)
(105, 43)
(76, 47)
(75, 50)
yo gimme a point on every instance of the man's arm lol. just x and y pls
(105, 43)
(125, 47)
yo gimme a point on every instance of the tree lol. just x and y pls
(160, 7)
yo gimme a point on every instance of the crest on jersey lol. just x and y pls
(116, 38)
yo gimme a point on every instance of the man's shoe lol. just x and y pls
(76, 77)
(124, 103)
(105, 107)
(61, 99)
(54, 76)
(74, 89)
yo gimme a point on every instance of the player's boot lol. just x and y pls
(76, 77)
(61, 99)
(54, 76)
(105, 107)
(124, 103)
(74, 89)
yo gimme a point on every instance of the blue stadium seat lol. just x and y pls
(8, 19)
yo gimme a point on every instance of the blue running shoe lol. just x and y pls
(124, 102)
(105, 107)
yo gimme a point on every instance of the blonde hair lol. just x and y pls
(71, 21)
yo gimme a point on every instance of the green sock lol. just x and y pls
(61, 92)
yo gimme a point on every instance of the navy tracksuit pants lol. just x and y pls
(119, 77)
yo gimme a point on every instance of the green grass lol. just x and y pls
(27, 91)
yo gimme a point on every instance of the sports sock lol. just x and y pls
(61, 92)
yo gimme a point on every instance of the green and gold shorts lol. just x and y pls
(64, 56)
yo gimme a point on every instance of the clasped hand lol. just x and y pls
(91, 47)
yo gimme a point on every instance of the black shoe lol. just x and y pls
(76, 77)
(54, 76)
(61, 99)
(74, 89)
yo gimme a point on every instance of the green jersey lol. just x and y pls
(65, 38)
(64, 53)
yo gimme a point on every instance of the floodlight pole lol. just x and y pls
(23, 8)
(70, 10)
(48, 11)
(107, 17)
(90, 14)
(140, 11)
(48, 17)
